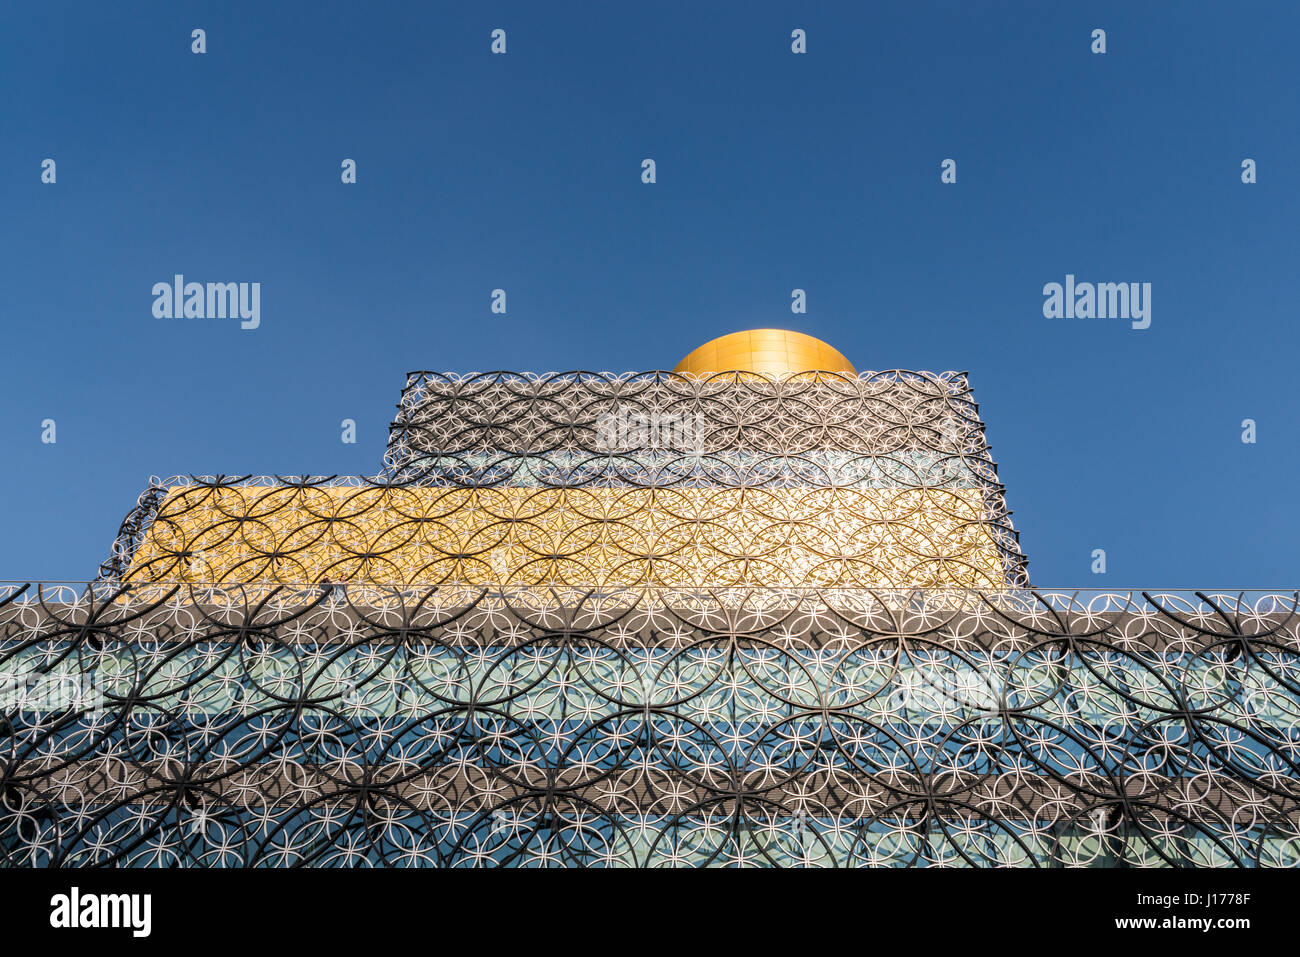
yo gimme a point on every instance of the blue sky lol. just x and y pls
(775, 171)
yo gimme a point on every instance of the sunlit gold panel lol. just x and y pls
(598, 537)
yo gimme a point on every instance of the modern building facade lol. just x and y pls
(761, 610)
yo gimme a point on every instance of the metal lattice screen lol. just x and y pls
(360, 725)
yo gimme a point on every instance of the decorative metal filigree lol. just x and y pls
(875, 413)
(882, 481)
(361, 725)
(642, 620)
(598, 537)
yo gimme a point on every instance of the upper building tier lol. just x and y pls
(776, 472)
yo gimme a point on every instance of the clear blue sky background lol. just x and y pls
(775, 171)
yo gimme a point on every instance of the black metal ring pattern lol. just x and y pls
(914, 439)
(440, 723)
(367, 726)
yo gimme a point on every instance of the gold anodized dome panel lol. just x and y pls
(771, 352)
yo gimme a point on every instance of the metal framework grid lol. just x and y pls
(640, 620)
(879, 480)
(335, 726)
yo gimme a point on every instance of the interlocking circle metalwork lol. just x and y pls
(365, 726)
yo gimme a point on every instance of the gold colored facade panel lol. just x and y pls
(591, 537)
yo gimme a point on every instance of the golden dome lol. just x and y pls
(770, 352)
